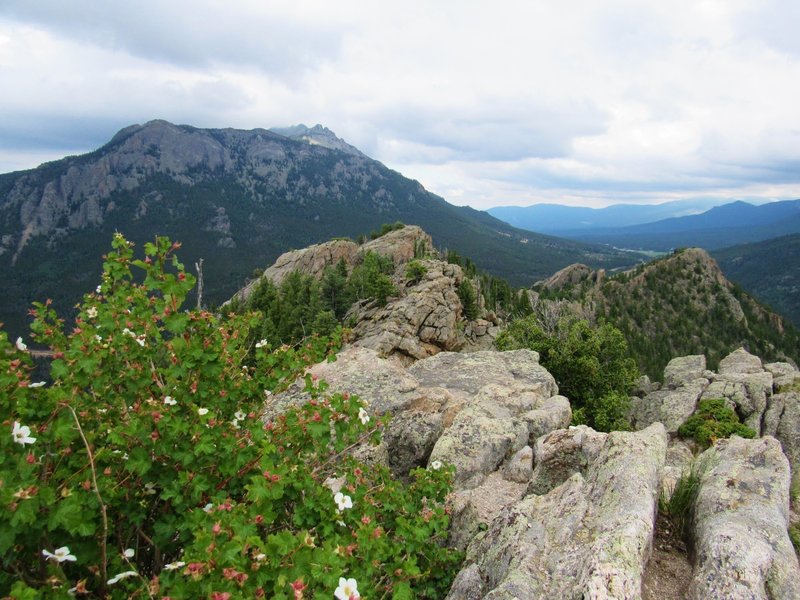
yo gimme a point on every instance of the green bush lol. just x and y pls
(590, 365)
(143, 469)
(415, 271)
(713, 420)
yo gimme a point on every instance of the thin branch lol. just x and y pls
(103, 541)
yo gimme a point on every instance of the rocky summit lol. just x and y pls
(546, 510)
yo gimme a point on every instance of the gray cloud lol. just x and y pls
(188, 33)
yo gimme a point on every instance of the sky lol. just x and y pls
(581, 102)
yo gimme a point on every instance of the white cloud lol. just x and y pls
(517, 102)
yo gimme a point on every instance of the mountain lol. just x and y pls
(770, 270)
(716, 228)
(680, 304)
(547, 218)
(237, 199)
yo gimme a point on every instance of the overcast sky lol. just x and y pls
(585, 102)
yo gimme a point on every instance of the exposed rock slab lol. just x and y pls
(587, 538)
(741, 518)
(473, 410)
(517, 370)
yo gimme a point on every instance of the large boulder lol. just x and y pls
(668, 406)
(746, 371)
(788, 434)
(684, 369)
(466, 374)
(589, 537)
(741, 513)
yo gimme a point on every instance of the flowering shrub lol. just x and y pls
(143, 469)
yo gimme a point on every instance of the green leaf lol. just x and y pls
(402, 591)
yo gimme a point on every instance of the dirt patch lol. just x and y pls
(669, 570)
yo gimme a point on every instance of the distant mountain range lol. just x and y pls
(551, 218)
(718, 227)
(237, 199)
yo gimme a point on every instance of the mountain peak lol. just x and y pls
(318, 135)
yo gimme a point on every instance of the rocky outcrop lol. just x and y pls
(308, 261)
(401, 245)
(425, 320)
(543, 510)
(741, 519)
(566, 277)
(670, 407)
(586, 538)
(742, 380)
(473, 410)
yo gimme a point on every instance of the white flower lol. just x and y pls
(342, 501)
(348, 588)
(21, 346)
(362, 414)
(170, 401)
(128, 553)
(239, 415)
(208, 507)
(174, 565)
(139, 338)
(149, 488)
(120, 576)
(38, 384)
(262, 343)
(235, 424)
(99, 289)
(59, 554)
(22, 434)
(436, 465)
(98, 338)
(91, 312)
(202, 411)
(260, 556)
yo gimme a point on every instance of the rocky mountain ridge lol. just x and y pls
(237, 199)
(680, 304)
(424, 317)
